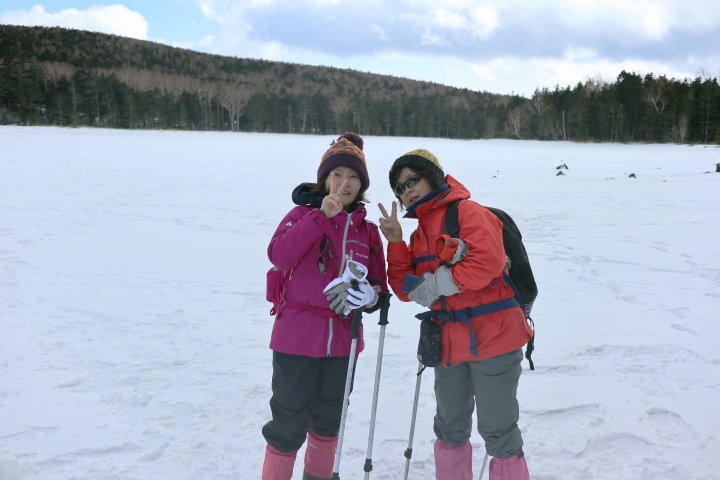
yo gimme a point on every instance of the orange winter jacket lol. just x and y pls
(477, 275)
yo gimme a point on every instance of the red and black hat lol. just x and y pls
(346, 151)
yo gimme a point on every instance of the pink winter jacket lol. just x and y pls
(313, 246)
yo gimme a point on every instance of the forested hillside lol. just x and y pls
(56, 76)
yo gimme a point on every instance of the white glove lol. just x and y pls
(431, 286)
(337, 291)
(354, 271)
(363, 295)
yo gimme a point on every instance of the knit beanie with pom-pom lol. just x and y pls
(346, 151)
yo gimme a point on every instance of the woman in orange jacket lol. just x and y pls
(480, 360)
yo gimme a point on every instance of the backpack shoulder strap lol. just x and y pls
(452, 223)
(373, 234)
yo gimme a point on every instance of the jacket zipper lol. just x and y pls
(342, 269)
(344, 243)
(330, 336)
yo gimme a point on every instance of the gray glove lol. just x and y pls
(431, 286)
(346, 292)
(350, 296)
(460, 253)
(450, 250)
(337, 297)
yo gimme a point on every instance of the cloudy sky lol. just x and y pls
(501, 46)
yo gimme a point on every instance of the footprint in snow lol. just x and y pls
(683, 328)
(670, 426)
(680, 312)
(564, 369)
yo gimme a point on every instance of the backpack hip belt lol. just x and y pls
(464, 316)
(321, 312)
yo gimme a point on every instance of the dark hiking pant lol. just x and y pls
(488, 386)
(307, 396)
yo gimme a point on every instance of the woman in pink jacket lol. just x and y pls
(316, 243)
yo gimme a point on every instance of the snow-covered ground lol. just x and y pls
(134, 328)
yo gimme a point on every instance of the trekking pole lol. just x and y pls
(371, 436)
(482, 470)
(408, 452)
(354, 334)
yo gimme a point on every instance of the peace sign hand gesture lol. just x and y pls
(389, 224)
(331, 204)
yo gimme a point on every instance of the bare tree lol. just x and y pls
(560, 128)
(594, 85)
(305, 112)
(653, 94)
(56, 71)
(458, 102)
(513, 123)
(682, 127)
(140, 80)
(234, 99)
(175, 86)
(339, 105)
(536, 105)
(205, 92)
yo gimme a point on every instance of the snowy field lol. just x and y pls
(134, 327)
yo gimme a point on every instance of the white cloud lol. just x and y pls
(577, 54)
(209, 12)
(619, 21)
(113, 19)
(448, 19)
(430, 37)
(484, 20)
(379, 31)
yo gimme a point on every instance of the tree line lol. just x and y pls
(64, 77)
(635, 107)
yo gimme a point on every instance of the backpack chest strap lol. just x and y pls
(426, 258)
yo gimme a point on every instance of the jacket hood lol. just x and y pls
(306, 194)
(450, 191)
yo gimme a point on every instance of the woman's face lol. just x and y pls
(411, 194)
(335, 179)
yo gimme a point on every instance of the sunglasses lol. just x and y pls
(325, 256)
(409, 183)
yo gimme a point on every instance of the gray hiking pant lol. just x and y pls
(491, 386)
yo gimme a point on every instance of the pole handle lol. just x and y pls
(355, 325)
(384, 307)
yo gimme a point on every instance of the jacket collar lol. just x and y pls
(450, 191)
(435, 193)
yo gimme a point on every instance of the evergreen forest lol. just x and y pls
(64, 77)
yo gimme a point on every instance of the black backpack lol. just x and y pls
(521, 275)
